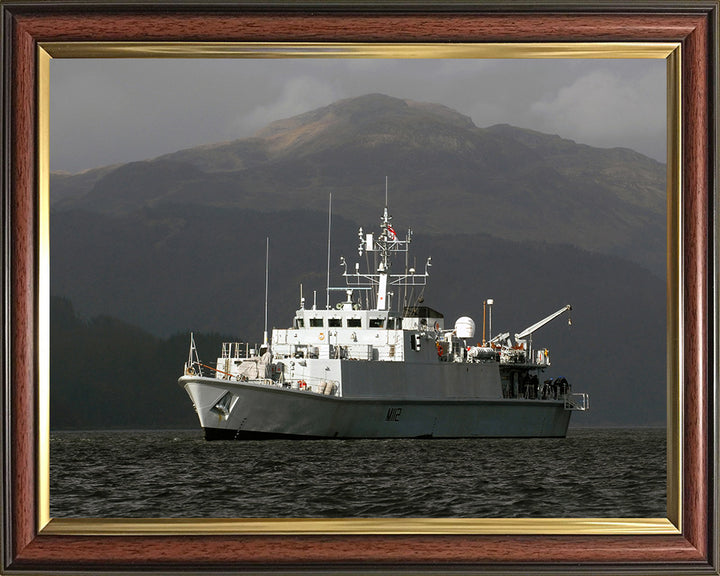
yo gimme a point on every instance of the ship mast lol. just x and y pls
(327, 291)
(386, 245)
(267, 266)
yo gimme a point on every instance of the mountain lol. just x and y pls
(178, 268)
(150, 249)
(445, 174)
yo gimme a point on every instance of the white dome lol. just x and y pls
(465, 327)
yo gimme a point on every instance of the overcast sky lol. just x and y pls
(110, 111)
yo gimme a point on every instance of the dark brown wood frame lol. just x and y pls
(26, 24)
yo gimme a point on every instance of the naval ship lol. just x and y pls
(359, 369)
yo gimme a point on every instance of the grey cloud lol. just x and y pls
(109, 111)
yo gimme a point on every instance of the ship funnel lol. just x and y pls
(465, 327)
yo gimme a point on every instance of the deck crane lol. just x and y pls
(529, 331)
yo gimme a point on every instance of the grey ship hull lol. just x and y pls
(259, 411)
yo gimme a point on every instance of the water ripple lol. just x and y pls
(154, 474)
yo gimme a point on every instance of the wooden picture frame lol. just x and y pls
(31, 545)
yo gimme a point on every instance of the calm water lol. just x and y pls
(152, 474)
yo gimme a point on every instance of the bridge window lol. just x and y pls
(377, 322)
(334, 322)
(354, 323)
(299, 322)
(316, 322)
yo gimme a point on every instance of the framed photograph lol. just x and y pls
(682, 34)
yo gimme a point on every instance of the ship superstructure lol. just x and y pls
(368, 368)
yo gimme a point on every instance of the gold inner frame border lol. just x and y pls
(669, 51)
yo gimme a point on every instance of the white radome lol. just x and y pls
(464, 327)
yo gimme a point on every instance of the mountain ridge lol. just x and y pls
(177, 243)
(510, 182)
(180, 268)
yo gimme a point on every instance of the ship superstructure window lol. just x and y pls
(334, 322)
(316, 322)
(299, 322)
(354, 323)
(377, 322)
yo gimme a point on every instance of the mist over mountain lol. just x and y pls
(177, 243)
(445, 174)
